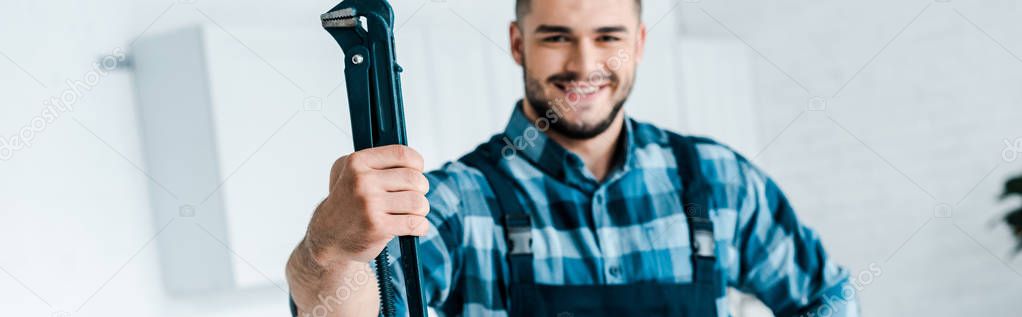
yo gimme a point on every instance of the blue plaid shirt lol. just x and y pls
(628, 228)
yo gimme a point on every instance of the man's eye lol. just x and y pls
(607, 38)
(556, 39)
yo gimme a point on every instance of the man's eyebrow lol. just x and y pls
(612, 29)
(544, 28)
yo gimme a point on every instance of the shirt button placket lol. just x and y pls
(615, 271)
(612, 272)
(599, 209)
(612, 269)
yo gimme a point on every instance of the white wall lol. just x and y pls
(931, 109)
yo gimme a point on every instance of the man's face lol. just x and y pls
(578, 58)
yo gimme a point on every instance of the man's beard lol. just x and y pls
(541, 106)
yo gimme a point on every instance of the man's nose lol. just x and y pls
(584, 60)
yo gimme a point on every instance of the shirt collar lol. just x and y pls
(529, 140)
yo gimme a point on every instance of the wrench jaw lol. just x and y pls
(350, 21)
(337, 17)
(345, 26)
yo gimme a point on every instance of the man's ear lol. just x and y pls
(517, 42)
(640, 43)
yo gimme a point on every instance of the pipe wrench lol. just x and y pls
(364, 30)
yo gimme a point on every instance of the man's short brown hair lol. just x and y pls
(522, 8)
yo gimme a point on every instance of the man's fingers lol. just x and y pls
(405, 203)
(407, 225)
(402, 179)
(386, 157)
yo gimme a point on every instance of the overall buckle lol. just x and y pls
(705, 243)
(520, 240)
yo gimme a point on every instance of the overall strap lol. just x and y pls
(696, 197)
(509, 211)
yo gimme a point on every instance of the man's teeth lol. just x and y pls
(583, 90)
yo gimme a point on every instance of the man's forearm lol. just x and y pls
(347, 289)
(838, 301)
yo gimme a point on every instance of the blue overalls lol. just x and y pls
(528, 298)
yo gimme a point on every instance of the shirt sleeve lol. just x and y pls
(781, 261)
(439, 250)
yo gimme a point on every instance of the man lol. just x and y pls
(574, 210)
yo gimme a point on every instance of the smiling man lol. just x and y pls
(575, 209)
